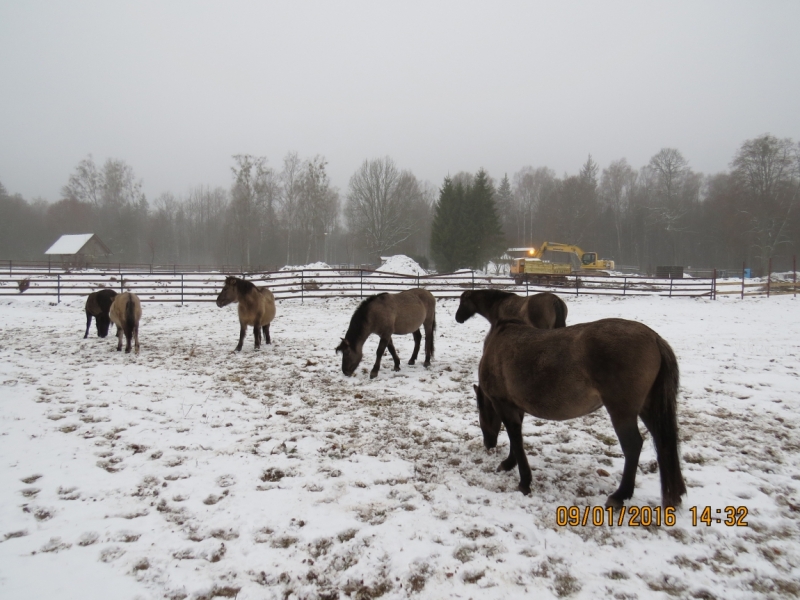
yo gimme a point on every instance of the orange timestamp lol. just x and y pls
(734, 516)
(631, 516)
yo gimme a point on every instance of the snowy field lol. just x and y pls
(189, 471)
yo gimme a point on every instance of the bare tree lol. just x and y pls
(291, 179)
(318, 207)
(379, 203)
(531, 186)
(617, 185)
(253, 198)
(767, 170)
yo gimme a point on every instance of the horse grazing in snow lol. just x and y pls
(386, 314)
(98, 305)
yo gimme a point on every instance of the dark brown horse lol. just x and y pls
(384, 315)
(570, 372)
(98, 304)
(545, 310)
(125, 313)
(256, 308)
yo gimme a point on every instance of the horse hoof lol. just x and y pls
(396, 369)
(525, 489)
(373, 374)
(614, 503)
(412, 361)
(426, 364)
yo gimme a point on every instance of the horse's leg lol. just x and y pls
(631, 441)
(119, 339)
(417, 340)
(128, 337)
(88, 324)
(429, 344)
(242, 333)
(511, 462)
(136, 338)
(267, 340)
(393, 352)
(376, 367)
(512, 419)
(257, 335)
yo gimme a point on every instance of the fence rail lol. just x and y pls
(325, 283)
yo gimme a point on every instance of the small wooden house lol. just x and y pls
(78, 251)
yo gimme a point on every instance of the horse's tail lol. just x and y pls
(561, 312)
(661, 419)
(130, 317)
(433, 331)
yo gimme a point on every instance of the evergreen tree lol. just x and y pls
(466, 229)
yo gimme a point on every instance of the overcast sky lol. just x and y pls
(176, 88)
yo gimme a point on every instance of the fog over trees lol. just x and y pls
(289, 212)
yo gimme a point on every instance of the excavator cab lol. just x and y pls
(589, 258)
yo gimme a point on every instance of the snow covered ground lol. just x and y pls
(189, 471)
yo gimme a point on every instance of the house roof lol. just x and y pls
(73, 244)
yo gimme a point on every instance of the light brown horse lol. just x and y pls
(256, 308)
(545, 310)
(98, 304)
(570, 372)
(125, 313)
(386, 314)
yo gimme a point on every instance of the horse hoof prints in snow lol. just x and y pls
(386, 314)
(570, 372)
(256, 308)
(125, 313)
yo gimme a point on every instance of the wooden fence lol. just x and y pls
(326, 283)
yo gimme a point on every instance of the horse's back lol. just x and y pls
(607, 358)
(410, 309)
(545, 311)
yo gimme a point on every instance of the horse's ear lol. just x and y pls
(342, 346)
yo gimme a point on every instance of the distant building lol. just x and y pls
(78, 251)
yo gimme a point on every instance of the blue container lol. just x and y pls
(747, 274)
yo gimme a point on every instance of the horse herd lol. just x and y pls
(531, 363)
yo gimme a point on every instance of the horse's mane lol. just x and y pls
(243, 286)
(359, 318)
(493, 295)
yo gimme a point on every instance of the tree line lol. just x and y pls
(663, 213)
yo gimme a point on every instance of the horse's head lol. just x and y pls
(489, 419)
(466, 307)
(103, 321)
(228, 293)
(351, 356)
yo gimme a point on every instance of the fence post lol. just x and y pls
(670, 285)
(361, 279)
(577, 285)
(58, 288)
(769, 275)
(302, 285)
(794, 270)
(9, 267)
(741, 297)
(473, 279)
(48, 265)
(526, 283)
(624, 285)
(181, 289)
(714, 286)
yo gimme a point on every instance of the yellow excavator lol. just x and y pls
(533, 268)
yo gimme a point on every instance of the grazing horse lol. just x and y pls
(256, 308)
(545, 310)
(97, 305)
(570, 372)
(386, 314)
(125, 313)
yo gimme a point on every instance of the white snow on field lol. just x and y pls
(189, 471)
(401, 264)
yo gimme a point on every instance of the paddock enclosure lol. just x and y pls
(189, 471)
